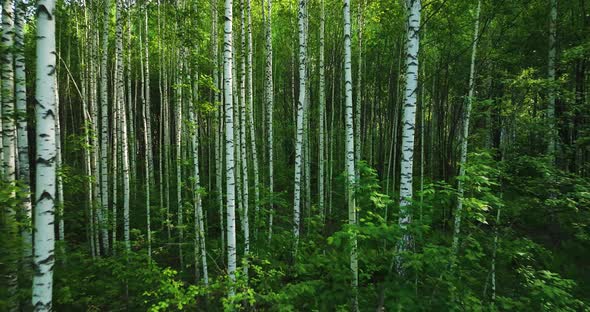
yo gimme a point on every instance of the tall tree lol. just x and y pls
(465, 135)
(8, 122)
(551, 76)
(250, 113)
(242, 143)
(357, 108)
(229, 143)
(269, 96)
(104, 138)
(322, 121)
(414, 8)
(24, 173)
(9, 136)
(350, 154)
(120, 80)
(299, 125)
(178, 143)
(45, 189)
(200, 247)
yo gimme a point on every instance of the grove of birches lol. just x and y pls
(295, 155)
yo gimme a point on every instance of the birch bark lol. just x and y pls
(350, 155)
(46, 152)
(229, 144)
(409, 121)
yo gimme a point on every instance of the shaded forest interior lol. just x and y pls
(295, 155)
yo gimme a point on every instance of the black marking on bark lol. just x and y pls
(43, 9)
(45, 195)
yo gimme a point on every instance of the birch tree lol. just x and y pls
(8, 122)
(9, 140)
(148, 101)
(357, 107)
(242, 143)
(123, 123)
(250, 113)
(350, 154)
(24, 173)
(46, 152)
(200, 247)
(299, 125)
(409, 120)
(322, 108)
(219, 121)
(465, 135)
(269, 95)
(104, 116)
(551, 75)
(178, 143)
(229, 144)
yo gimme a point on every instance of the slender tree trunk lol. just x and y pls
(123, 126)
(198, 213)
(104, 167)
(250, 115)
(219, 124)
(130, 110)
(322, 121)
(229, 145)
(148, 100)
(242, 143)
(464, 138)
(178, 124)
(46, 152)
(551, 74)
(84, 52)
(299, 126)
(8, 121)
(116, 133)
(409, 122)
(350, 155)
(9, 142)
(97, 207)
(357, 107)
(24, 172)
(269, 111)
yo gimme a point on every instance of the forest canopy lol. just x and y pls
(295, 155)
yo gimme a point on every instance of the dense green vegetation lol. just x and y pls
(498, 222)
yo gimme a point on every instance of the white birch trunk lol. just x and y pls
(299, 126)
(8, 120)
(24, 173)
(322, 121)
(357, 108)
(219, 124)
(45, 190)
(95, 140)
(148, 101)
(250, 116)
(58, 162)
(350, 154)
(104, 114)
(409, 120)
(269, 94)
(229, 144)
(123, 125)
(243, 155)
(178, 122)
(115, 148)
(9, 142)
(464, 138)
(198, 213)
